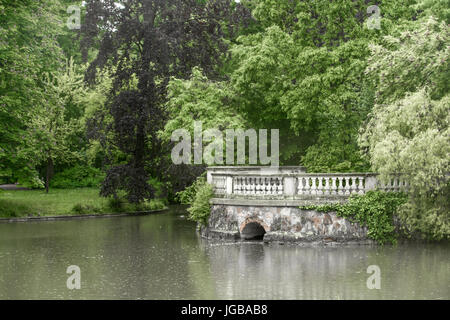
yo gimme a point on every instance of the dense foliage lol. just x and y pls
(375, 210)
(408, 132)
(78, 177)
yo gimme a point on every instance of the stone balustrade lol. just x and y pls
(293, 183)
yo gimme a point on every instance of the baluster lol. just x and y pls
(403, 188)
(280, 186)
(320, 186)
(361, 185)
(300, 185)
(391, 184)
(241, 185)
(257, 185)
(261, 184)
(327, 186)
(273, 186)
(248, 186)
(351, 186)
(340, 188)
(333, 185)
(264, 185)
(307, 186)
(347, 186)
(313, 185)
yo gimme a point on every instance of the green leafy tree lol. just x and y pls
(408, 131)
(199, 99)
(302, 71)
(56, 124)
(28, 49)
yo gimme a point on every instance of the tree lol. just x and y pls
(148, 42)
(408, 131)
(56, 132)
(199, 99)
(301, 71)
(28, 49)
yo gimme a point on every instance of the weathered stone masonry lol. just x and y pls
(282, 224)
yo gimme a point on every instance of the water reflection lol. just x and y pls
(161, 257)
(258, 271)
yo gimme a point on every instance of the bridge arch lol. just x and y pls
(253, 229)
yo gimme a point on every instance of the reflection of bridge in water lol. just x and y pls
(252, 202)
(273, 272)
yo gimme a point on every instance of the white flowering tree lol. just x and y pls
(408, 131)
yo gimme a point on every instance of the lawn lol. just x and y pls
(19, 203)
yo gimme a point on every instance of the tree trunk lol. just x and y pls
(49, 174)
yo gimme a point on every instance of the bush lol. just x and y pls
(78, 177)
(85, 209)
(158, 186)
(375, 210)
(12, 209)
(116, 204)
(120, 204)
(200, 208)
(428, 214)
(187, 196)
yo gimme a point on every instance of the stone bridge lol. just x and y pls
(263, 203)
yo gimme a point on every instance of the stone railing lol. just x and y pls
(293, 183)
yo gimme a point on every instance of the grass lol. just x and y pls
(21, 203)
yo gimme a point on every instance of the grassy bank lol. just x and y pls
(20, 203)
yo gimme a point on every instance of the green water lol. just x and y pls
(161, 257)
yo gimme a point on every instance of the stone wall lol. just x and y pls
(283, 223)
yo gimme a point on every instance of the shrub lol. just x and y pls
(200, 208)
(158, 186)
(375, 210)
(85, 209)
(187, 196)
(157, 204)
(78, 177)
(116, 204)
(12, 209)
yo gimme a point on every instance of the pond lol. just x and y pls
(161, 257)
